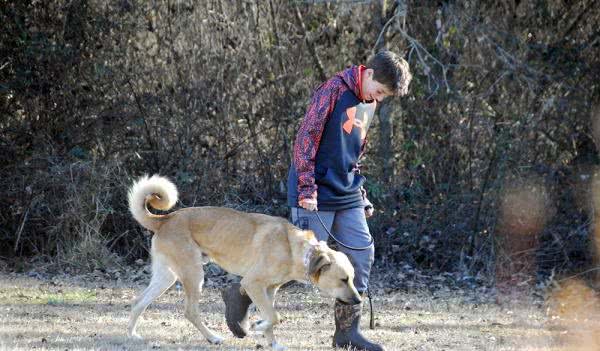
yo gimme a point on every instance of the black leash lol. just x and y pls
(372, 319)
(341, 243)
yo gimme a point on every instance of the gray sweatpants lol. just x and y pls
(348, 226)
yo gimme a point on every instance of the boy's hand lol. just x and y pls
(308, 204)
(369, 210)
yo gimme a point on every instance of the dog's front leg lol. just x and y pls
(262, 298)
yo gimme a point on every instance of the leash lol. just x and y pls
(372, 317)
(339, 242)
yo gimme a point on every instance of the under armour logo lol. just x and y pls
(361, 122)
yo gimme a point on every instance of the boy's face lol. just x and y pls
(372, 89)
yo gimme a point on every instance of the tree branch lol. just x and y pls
(311, 46)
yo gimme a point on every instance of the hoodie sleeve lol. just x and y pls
(309, 135)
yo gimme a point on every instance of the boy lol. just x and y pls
(324, 177)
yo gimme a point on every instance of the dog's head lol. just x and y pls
(332, 272)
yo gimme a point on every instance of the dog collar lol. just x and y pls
(313, 244)
(309, 251)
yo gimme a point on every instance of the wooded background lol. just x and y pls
(492, 154)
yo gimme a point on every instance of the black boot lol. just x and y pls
(236, 309)
(347, 329)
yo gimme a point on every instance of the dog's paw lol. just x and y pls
(277, 347)
(215, 339)
(260, 326)
(135, 336)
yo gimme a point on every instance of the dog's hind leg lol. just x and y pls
(162, 279)
(192, 279)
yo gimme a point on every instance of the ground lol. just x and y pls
(66, 313)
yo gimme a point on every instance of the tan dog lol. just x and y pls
(266, 251)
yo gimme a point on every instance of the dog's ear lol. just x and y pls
(318, 262)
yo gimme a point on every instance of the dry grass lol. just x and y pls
(73, 314)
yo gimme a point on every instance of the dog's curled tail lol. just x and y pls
(156, 191)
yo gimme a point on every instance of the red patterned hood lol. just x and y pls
(352, 77)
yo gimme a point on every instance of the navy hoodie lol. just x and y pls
(329, 144)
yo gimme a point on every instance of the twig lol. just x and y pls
(416, 45)
(20, 230)
(489, 90)
(144, 114)
(382, 32)
(580, 273)
(311, 47)
(575, 22)
(513, 62)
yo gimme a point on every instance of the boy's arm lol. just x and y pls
(309, 136)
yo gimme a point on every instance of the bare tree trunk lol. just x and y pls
(386, 126)
(386, 148)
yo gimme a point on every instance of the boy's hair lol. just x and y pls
(392, 71)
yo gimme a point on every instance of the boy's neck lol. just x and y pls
(362, 75)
